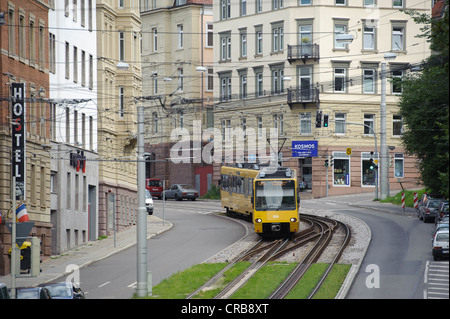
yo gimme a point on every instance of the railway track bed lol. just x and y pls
(316, 235)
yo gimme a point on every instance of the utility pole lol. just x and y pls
(383, 148)
(142, 284)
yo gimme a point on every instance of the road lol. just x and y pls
(398, 260)
(195, 237)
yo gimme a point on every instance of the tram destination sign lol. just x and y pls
(18, 138)
(304, 148)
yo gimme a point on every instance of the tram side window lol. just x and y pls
(250, 186)
(225, 182)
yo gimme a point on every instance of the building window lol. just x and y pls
(340, 79)
(277, 4)
(340, 2)
(67, 60)
(339, 119)
(209, 34)
(369, 3)
(278, 124)
(277, 38)
(277, 79)
(397, 125)
(398, 38)
(399, 165)
(225, 9)
(397, 3)
(305, 123)
(340, 29)
(225, 87)
(210, 79)
(259, 83)
(75, 64)
(121, 101)
(259, 121)
(243, 43)
(397, 77)
(243, 7)
(155, 39)
(180, 36)
(259, 40)
(369, 38)
(369, 81)
(243, 85)
(341, 169)
(180, 79)
(305, 2)
(369, 121)
(225, 46)
(121, 46)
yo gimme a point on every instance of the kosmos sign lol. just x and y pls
(18, 137)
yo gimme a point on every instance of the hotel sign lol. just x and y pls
(18, 138)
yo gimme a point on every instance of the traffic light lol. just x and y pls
(319, 119)
(326, 162)
(325, 120)
(372, 164)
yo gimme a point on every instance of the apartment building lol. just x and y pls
(23, 60)
(286, 66)
(177, 59)
(119, 81)
(73, 117)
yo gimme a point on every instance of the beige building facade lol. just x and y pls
(178, 73)
(280, 66)
(119, 82)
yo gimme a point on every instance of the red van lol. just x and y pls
(155, 187)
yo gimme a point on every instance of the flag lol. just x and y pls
(0, 216)
(22, 214)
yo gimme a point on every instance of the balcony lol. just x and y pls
(302, 52)
(302, 96)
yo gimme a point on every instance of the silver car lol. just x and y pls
(149, 202)
(181, 191)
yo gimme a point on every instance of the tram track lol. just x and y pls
(319, 231)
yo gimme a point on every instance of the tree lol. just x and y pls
(424, 106)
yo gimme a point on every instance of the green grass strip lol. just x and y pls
(265, 281)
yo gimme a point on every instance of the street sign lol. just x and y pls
(304, 148)
(349, 151)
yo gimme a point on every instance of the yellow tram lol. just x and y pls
(268, 195)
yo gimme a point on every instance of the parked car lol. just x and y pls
(428, 209)
(4, 292)
(155, 186)
(149, 202)
(443, 220)
(65, 290)
(441, 211)
(440, 244)
(181, 191)
(33, 293)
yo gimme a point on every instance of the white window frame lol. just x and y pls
(339, 121)
(180, 33)
(368, 85)
(338, 180)
(400, 160)
(305, 123)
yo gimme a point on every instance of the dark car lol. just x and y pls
(4, 292)
(181, 191)
(33, 293)
(65, 290)
(428, 210)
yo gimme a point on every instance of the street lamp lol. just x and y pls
(383, 147)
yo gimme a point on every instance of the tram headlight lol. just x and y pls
(293, 220)
(258, 220)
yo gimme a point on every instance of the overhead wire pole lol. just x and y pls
(142, 283)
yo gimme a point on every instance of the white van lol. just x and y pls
(440, 244)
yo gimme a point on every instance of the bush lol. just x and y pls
(213, 192)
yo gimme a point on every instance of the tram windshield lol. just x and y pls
(275, 195)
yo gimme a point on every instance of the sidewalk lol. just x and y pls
(55, 267)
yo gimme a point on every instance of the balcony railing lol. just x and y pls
(303, 96)
(302, 52)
